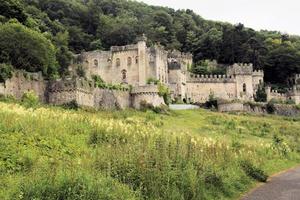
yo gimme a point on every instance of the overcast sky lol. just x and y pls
(280, 15)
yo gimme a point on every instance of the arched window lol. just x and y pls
(244, 87)
(96, 63)
(129, 61)
(136, 60)
(124, 75)
(260, 82)
(118, 62)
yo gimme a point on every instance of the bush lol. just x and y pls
(212, 102)
(30, 99)
(81, 71)
(253, 171)
(144, 106)
(5, 72)
(164, 92)
(73, 105)
(152, 80)
(261, 95)
(72, 186)
(162, 109)
(270, 107)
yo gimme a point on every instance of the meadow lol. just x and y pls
(53, 153)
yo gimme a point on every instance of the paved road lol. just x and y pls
(285, 186)
(183, 107)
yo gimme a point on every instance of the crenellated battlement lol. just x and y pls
(278, 94)
(147, 89)
(258, 73)
(195, 78)
(71, 85)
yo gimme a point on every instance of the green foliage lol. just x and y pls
(98, 80)
(54, 153)
(152, 80)
(280, 145)
(94, 24)
(72, 186)
(6, 72)
(73, 105)
(145, 106)
(203, 67)
(253, 171)
(26, 49)
(13, 9)
(270, 107)
(30, 99)
(164, 92)
(81, 71)
(260, 95)
(212, 102)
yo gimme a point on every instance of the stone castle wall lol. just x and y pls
(259, 108)
(22, 82)
(200, 91)
(111, 99)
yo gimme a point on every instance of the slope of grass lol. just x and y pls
(52, 153)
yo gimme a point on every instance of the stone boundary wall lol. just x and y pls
(259, 108)
(111, 99)
(22, 82)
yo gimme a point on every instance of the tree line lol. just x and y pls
(73, 26)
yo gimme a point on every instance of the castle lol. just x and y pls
(138, 65)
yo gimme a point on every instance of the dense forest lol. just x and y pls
(41, 35)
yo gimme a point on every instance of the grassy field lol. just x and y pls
(52, 153)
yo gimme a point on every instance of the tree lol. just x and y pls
(27, 49)
(5, 72)
(12, 9)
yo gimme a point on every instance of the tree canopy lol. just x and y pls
(26, 49)
(99, 24)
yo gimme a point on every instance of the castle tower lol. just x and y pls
(141, 43)
(244, 80)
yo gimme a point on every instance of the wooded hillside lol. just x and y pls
(84, 25)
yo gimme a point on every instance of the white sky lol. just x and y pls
(279, 15)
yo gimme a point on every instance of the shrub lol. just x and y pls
(152, 80)
(270, 107)
(5, 72)
(30, 99)
(144, 106)
(290, 102)
(98, 80)
(73, 105)
(164, 92)
(212, 102)
(261, 95)
(162, 109)
(280, 145)
(72, 186)
(81, 71)
(253, 171)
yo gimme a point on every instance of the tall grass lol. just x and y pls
(52, 153)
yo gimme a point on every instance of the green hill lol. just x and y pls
(53, 153)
